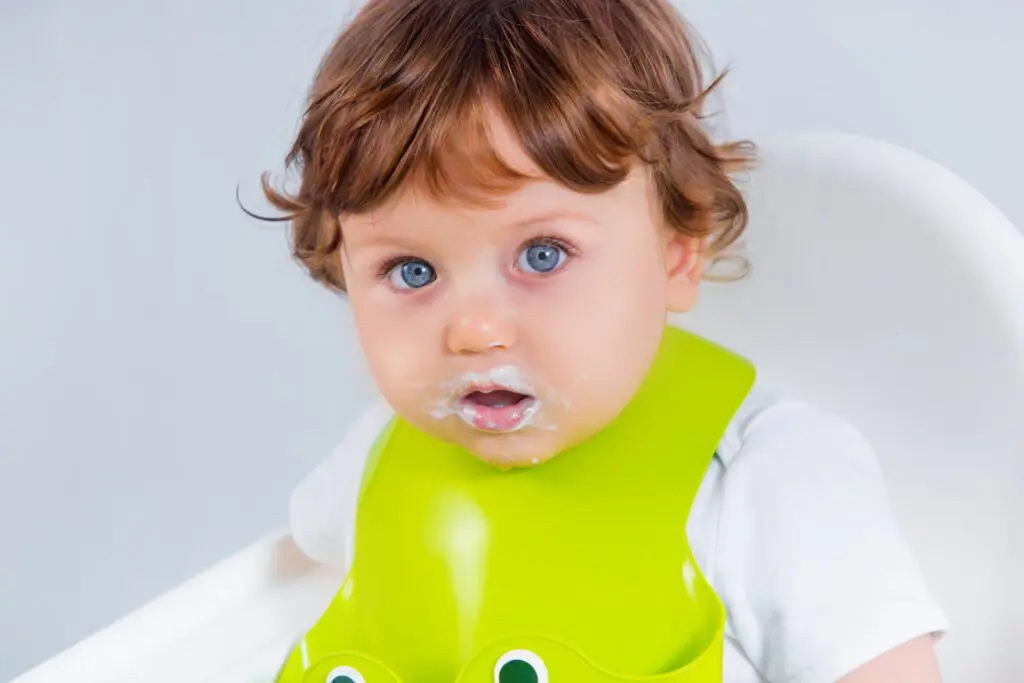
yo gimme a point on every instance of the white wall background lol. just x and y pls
(167, 374)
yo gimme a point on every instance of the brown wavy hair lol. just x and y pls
(591, 88)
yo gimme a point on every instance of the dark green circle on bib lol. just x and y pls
(342, 679)
(517, 671)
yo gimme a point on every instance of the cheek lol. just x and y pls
(609, 294)
(590, 324)
(396, 339)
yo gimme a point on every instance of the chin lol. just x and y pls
(516, 450)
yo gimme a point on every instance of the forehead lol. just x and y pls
(414, 210)
(415, 199)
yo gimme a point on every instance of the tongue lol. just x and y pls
(499, 398)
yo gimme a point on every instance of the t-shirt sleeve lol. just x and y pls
(321, 509)
(814, 570)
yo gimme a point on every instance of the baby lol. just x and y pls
(514, 195)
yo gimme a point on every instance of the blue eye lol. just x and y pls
(541, 258)
(412, 274)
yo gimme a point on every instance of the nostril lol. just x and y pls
(479, 333)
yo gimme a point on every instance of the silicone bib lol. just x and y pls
(577, 570)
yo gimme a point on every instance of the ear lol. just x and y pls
(684, 266)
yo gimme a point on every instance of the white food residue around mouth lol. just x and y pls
(505, 377)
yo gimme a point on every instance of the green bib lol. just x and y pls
(577, 570)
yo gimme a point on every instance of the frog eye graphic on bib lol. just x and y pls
(349, 668)
(532, 659)
(344, 674)
(520, 666)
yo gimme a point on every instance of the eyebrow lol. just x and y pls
(379, 240)
(413, 241)
(553, 216)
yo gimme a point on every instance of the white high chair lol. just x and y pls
(882, 287)
(886, 289)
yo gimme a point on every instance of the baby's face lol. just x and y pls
(520, 330)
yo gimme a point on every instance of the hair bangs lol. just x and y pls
(409, 94)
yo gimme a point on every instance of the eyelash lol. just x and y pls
(385, 268)
(553, 241)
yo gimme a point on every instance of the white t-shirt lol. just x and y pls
(790, 525)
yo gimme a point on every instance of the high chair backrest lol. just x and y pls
(887, 289)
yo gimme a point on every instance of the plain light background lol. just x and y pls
(167, 374)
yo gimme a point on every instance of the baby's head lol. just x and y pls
(514, 194)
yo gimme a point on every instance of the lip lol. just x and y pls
(454, 401)
(499, 420)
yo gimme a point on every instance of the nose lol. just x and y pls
(479, 328)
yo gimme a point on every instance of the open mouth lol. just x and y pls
(497, 409)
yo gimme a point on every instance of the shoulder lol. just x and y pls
(810, 559)
(322, 507)
(773, 431)
(781, 454)
(367, 427)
